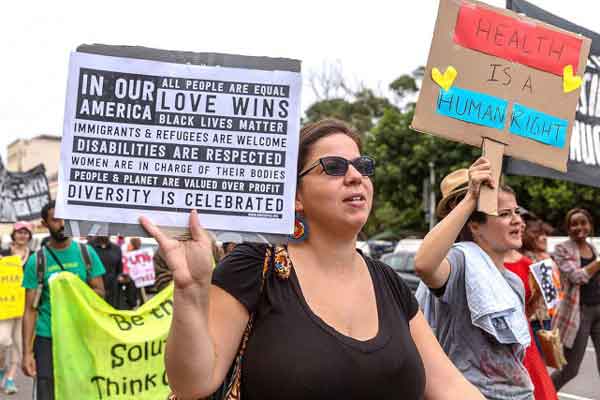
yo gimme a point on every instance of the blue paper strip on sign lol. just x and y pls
(538, 126)
(474, 107)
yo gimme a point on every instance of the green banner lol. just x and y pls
(102, 353)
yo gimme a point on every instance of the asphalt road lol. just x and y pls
(586, 386)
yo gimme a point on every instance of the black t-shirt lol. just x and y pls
(111, 258)
(590, 292)
(293, 354)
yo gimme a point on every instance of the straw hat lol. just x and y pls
(454, 185)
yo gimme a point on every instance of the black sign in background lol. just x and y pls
(23, 194)
(578, 171)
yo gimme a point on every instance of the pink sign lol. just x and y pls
(516, 40)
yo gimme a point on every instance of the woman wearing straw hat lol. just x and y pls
(474, 305)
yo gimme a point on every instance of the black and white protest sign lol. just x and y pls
(161, 139)
(7, 211)
(23, 194)
(542, 272)
(584, 158)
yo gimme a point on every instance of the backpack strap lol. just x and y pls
(40, 265)
(40, 271)
(85, 254)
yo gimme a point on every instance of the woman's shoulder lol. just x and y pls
(386, 277)
(239, 273)
(565, 244)
(380, 267)
(247, 249)
(245, 256)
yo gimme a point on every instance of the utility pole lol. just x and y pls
(432, 219)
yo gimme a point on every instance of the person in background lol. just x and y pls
(476, 306)
(61, 254)
(578, 315)
(535, 247)
(128, 294)
(543, 387)
(10, 329)
(135, 243)
(228, 247)
(114, 279)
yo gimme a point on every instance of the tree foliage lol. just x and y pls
(403, 158)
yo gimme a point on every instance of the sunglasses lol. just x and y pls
(338, 166)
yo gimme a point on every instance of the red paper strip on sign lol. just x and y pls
(506, 37)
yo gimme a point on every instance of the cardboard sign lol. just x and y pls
(493, 74)
(12, 295)
(161, 139)
(139, 265)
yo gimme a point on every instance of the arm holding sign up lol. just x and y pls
(197, 369)
(430, 262)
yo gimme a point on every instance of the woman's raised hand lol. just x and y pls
(191, 261)
(480, 173)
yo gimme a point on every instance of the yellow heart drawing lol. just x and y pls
(570, 82)
(447, 79)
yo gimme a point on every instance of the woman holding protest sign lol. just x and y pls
(328, 321)
(475, 305)
(578, 315)
(10, 329)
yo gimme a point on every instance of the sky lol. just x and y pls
(372, 42)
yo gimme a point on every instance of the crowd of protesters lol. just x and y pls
(27, 341)
(333, 322)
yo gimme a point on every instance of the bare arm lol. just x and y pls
(208, 323)
(444, 381)
(568, 266)
(29, 319)
(592, 268)
(97, 285)
(430, 261)
(202, 344)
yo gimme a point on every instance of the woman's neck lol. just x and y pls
(513, 256)
(582, 244)
(540, 254)
(497, 257)
(21, 248)
(328, 250)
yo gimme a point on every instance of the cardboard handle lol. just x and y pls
(488, 197)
